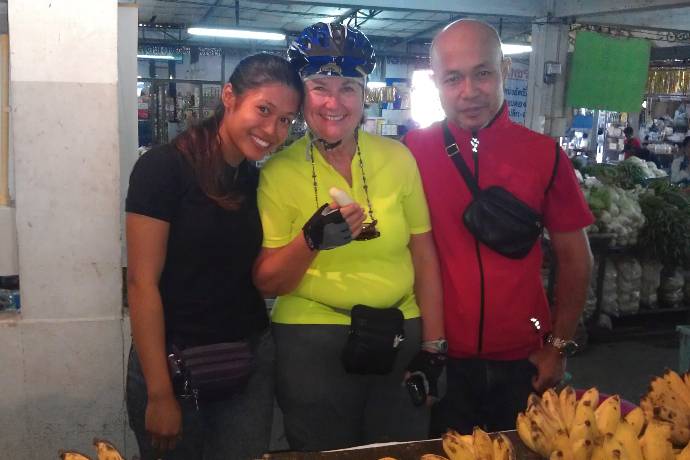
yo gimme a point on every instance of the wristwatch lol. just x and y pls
(436, 346)
(564, 347)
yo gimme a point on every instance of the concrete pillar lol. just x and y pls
(127, 94)
(546, 111)
(62, 359)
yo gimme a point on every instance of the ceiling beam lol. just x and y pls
(425, 32)
(209, 12)
(653, 20)
(671, 52)
(580, 8)
(521, 8)
(346, 15)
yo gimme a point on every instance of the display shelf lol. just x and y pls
(643, 323)
(655, 311)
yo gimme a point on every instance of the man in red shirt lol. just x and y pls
(504, 342)
(631, 145)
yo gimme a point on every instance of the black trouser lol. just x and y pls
(326, 408)
(483, 393)
(237, 428)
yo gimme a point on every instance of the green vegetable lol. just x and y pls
(665, 236)
(630, 174)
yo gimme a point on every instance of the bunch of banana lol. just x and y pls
(668, 399)
(559, 427)
(477, 446)
(104, 449)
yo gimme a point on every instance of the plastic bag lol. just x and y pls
(671, 289)
(609, 296)
(629, 280)
(651, 280)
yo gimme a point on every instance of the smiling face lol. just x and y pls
(333, 107)
(257, 121)
(469, 70)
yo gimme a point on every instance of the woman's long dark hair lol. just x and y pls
(200, 144)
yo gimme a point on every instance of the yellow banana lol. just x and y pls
(64, 455)
(542, 445)
(455, 449)
(686, 380)
(562, 444)
(502, 448)
(598, 452)
(557, 455)
(523, 428)
(626, 435)
(613, 448)
(608, 414)
(552, 407)
(537, 415)
(675, 382)
(431, 457)
(636, 419)
(684, 454)
(582, 449)
(533, 400)
(568, 400)
(483, 448)
(584, 411)
(671, 408)
(655, 442)
(680, 435)
(106, 451)
(591, 395)
(582, 431)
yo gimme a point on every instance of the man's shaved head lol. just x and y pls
(460, 28)
(469, 69)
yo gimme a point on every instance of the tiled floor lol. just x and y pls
(624, 367)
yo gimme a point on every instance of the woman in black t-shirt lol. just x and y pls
(193, 233)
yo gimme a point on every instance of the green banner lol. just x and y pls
(608, 73)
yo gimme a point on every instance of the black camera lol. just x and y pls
(417, 387)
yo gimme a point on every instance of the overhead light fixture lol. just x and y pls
(509, 48)
(375, 84)
(154, 56)
(235, 33)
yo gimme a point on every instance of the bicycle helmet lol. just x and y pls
(332, 50)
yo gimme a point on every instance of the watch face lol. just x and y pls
(443, 346)
(570, 348)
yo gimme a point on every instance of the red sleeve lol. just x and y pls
(565, 207)
(636, 143)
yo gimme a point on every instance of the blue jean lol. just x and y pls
(483, 393)
(326, 408)
(238, 428)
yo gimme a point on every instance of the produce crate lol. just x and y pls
(399, 451)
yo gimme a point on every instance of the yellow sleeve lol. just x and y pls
(414, 199)
(276, 212)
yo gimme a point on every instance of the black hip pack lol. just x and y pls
(210, 372)
(495, 216)
(374, 340)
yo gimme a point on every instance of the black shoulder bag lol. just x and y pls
(495, 216)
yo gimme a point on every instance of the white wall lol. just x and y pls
(62, 360)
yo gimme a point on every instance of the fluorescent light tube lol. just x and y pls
(509, 48)
(235, 33)
(153, 56)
